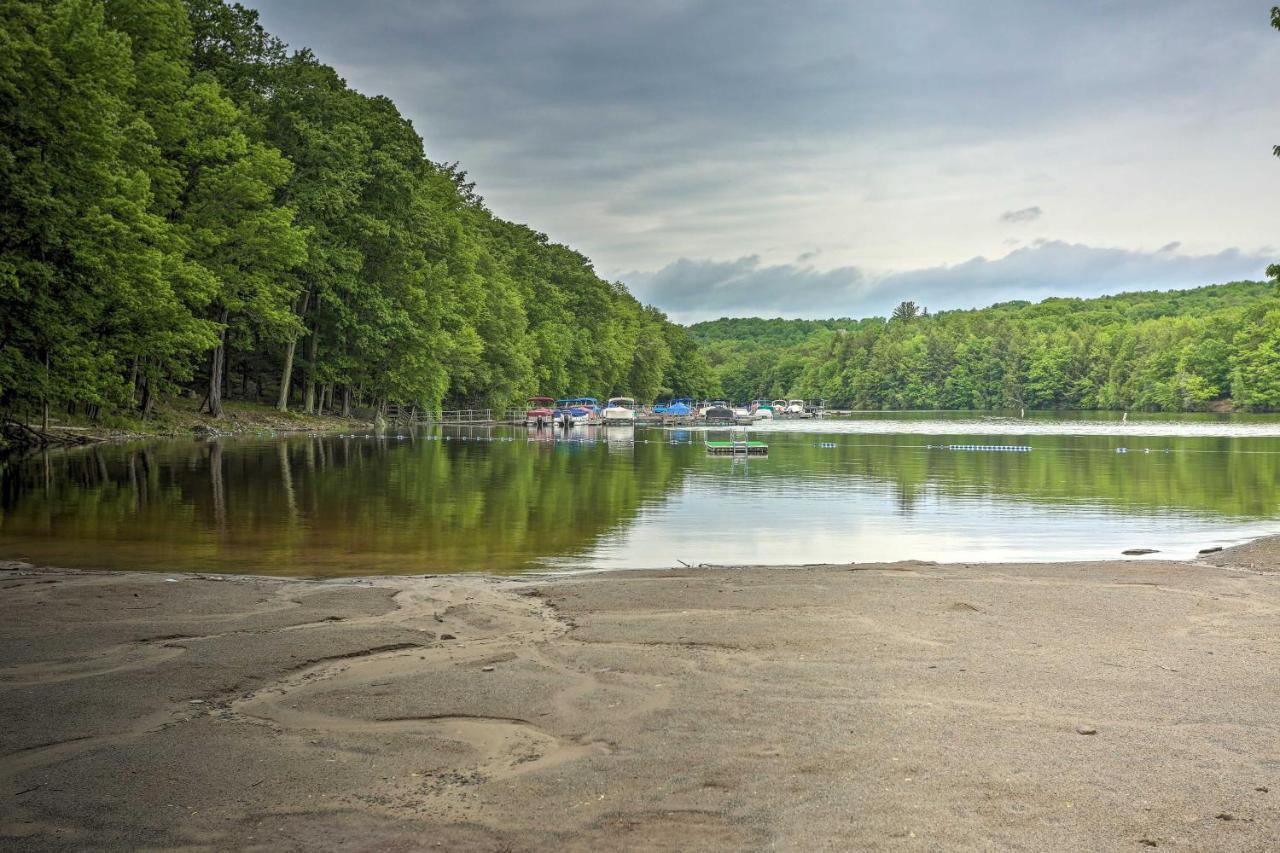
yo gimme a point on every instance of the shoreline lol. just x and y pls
(901, 706)
(179, 419)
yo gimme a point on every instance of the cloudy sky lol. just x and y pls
(814, 158)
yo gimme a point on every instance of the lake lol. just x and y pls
(870, 487)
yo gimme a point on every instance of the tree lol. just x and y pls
(86, 266)
(906, 312)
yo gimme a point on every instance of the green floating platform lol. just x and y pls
(753, 448)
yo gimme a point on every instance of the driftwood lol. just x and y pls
(22, 437)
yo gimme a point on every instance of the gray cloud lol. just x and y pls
(1026, 214)
(698, 290)
(643, 132)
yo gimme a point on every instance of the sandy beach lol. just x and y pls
(1121, 705)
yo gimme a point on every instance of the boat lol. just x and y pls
(815, 410)
(762, 410)
(779, 408)
(619, 410)
(681, 407)
(575, 411)
(795, 407)
(742, 415)
(717, 412)
(539, 413)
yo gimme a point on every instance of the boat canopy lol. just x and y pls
(623, 402)
(577, 401)
(542, 399)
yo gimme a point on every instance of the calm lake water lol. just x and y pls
(866, 488)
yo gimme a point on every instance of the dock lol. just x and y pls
(737, 443)
(737, 448)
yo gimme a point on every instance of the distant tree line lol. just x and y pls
(188, 206)
(1170, 351)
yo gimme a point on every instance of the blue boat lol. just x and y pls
(577, 410)
(679, 408)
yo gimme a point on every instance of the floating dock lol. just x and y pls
(729, 448)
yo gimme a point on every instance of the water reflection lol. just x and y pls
(504, 500)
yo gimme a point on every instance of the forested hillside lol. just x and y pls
(188, 206)
(1166, 351)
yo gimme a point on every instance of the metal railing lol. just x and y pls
(412, 415)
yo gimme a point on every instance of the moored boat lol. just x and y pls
(619, 410)
(576, 411)
(540, 414)
(681, 407)
(717, 412)
(795, 407)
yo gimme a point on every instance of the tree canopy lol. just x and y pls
(189, 206)
(1161, 351)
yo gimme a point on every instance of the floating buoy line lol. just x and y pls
(825, 445)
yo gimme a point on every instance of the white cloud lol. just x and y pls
(698, 290)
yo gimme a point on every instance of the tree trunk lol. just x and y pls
(145, 405)
(133, 382)
(346, 401)
(44, 407)
(217, 370)
(286, 377)
(286, 373)
(309, 402)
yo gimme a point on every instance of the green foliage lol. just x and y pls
(1170, 351)
(186, 203)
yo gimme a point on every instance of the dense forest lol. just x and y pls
(1190, 350)
(187, 206)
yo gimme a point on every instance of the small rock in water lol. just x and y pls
(486, 669)
(1137, 552)
(1215, 549)
(448, 637)
(1086, 730)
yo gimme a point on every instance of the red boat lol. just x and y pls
(540, 414)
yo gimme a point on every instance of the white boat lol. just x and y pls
(741, 413)
(620, 410)
(762, 412)
(795, 407)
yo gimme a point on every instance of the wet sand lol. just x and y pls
(1125, 705)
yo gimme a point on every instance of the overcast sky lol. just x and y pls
(815, 159)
